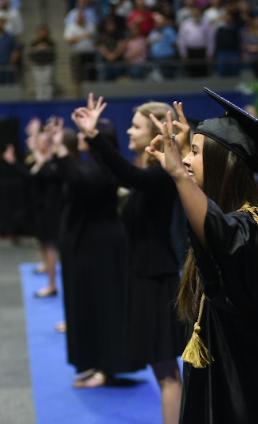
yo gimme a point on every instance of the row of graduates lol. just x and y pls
(120, 256)
(217, 189)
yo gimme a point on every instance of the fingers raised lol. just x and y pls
(180, 111)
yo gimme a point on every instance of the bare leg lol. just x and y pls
(171, 392)
(50, 256)
(42, 267)
(51, 260)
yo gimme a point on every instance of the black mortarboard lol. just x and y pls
(237, 130)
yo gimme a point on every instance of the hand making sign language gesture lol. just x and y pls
(169, 148)
(173, 143)
(86, 118)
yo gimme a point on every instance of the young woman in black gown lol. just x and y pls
(154, 333)
(93, 258)
(219, 290)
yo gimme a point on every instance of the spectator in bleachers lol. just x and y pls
(184, 12)
(81, 35)
(10, 54)
(120, 20)
(162, 45)
(42, 55)
(110, 48)
(135, 53)
(195, 44)
(245, 11)
(82, 6)
(167, 9)
(240, 11)
(202, 4)
(249, 44)
(16, 4)
(214, 13)
(123, 8)
(143, 16)
(228, 46)
(14, 21)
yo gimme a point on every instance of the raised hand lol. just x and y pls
(86, 118)
(9, 154)
(165, 148)
(183, 129)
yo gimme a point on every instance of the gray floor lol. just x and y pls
(16, 404)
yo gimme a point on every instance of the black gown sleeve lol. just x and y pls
(91, 178)
(227, 234)
(228, 264)
(128, 174)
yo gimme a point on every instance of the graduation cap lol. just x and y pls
(237, 130)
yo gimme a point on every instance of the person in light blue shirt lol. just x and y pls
(89, 12)
(162, 45)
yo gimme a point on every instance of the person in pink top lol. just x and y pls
(135, 54)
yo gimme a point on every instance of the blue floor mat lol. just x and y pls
(56, 401)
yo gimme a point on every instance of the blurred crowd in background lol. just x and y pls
(141, 39)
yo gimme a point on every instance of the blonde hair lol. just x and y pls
(158, 109)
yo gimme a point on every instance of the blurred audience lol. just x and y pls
(14, 20)
(249, 44)
(135, 53)
(42, 54)
(195, 44)
(227, 46)
(87, 8)
(10, 54)
(81, 35)
(141, 15)
(110, 48)
(162, 45)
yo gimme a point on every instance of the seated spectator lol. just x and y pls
(81, 35)
(249, 44)
(162, 45)
(227, 47)
(143, 16)
(135, 53)
(195, 44)
(14, 21)
(42, 55)
(10, 54)
(110, 48)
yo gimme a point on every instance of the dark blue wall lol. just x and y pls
(197, 106)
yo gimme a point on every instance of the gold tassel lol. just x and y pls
(196, 353)
(253, 210)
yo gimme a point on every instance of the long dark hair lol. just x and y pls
(230, 183)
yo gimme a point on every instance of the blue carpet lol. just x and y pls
(56, 401)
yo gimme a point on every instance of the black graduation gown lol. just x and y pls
(93, 255)
(226, 391)
(154, 332)
(14, 199)
(47, 202)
